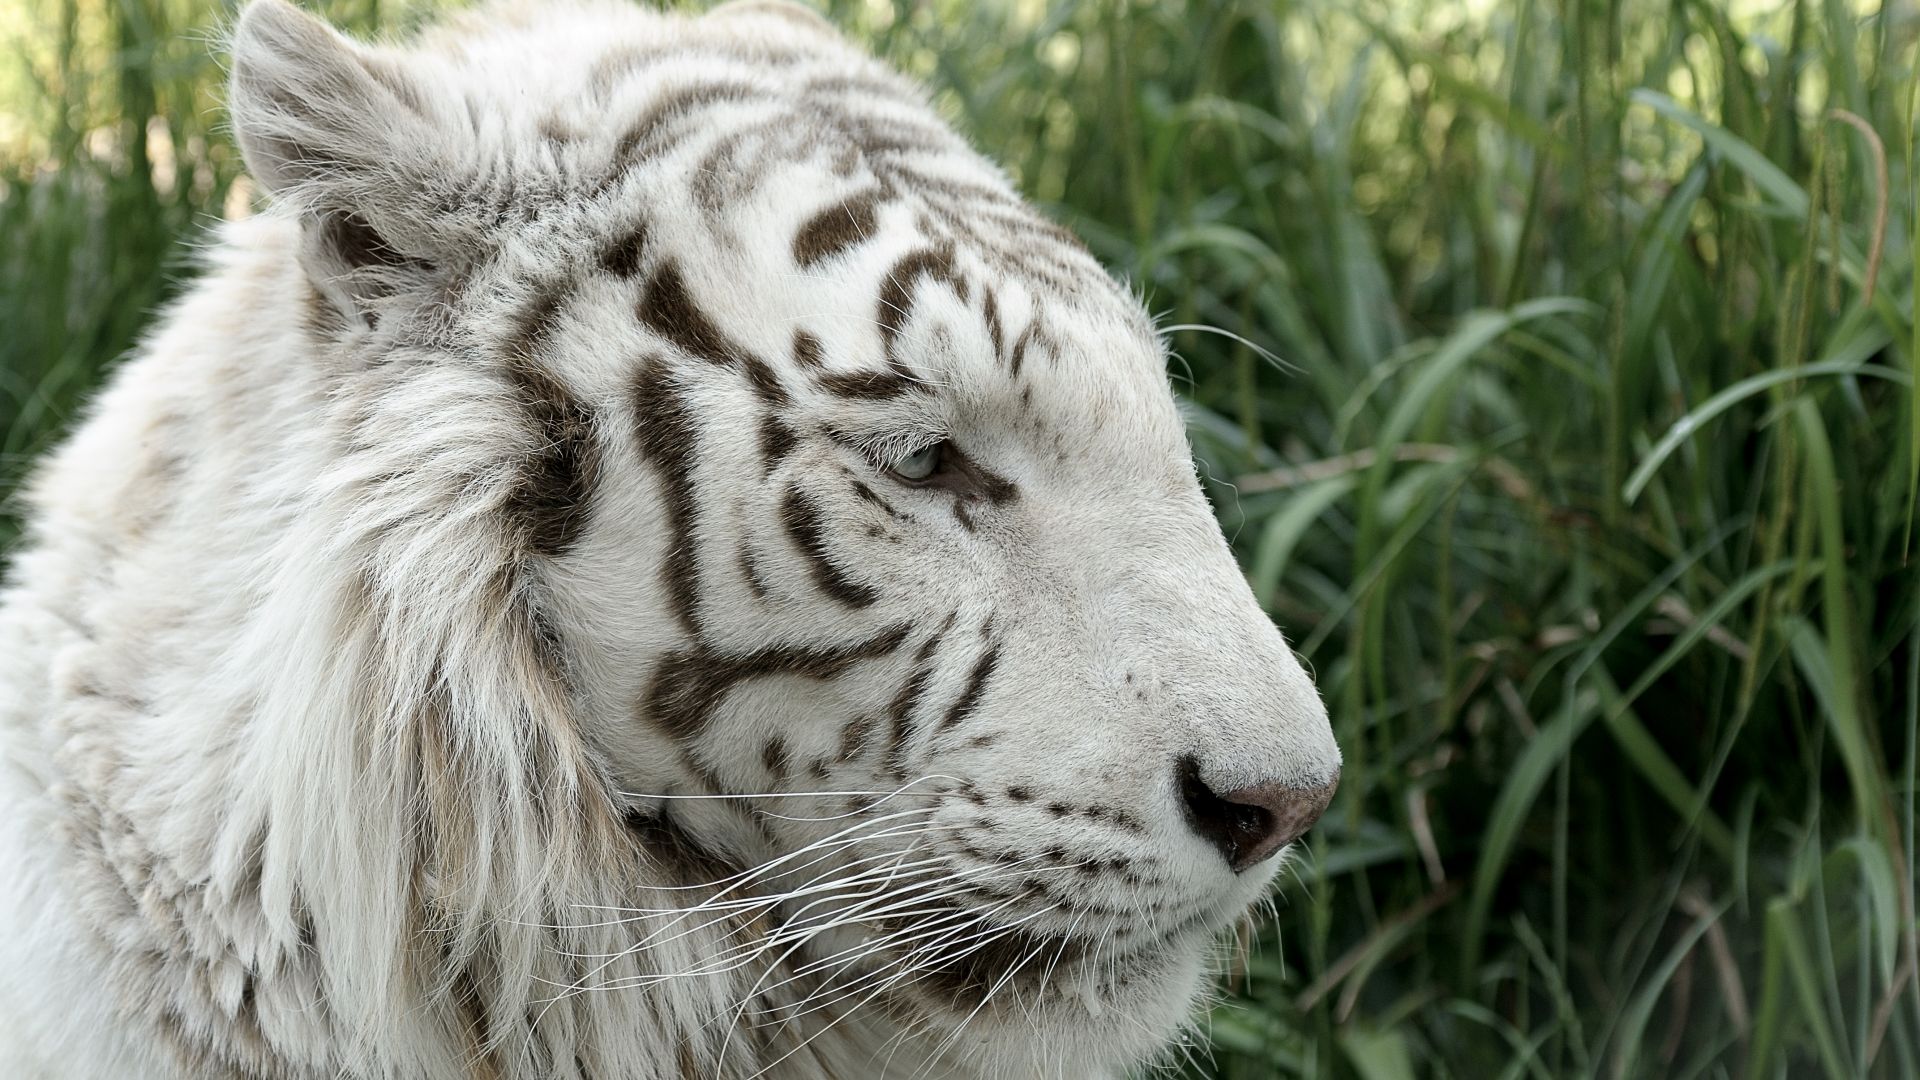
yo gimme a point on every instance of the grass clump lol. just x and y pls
(1584, 478)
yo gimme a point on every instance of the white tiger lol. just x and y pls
(649, 560)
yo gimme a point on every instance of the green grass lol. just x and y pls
(1585, 480)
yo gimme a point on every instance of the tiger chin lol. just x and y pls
(646, 559)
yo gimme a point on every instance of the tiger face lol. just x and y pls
(859, 511)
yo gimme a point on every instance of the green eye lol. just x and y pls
(918, 465)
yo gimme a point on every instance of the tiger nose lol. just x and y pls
(1249, 824)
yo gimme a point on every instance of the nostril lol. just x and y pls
(1249, 824)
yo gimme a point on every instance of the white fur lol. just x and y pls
(314, 764)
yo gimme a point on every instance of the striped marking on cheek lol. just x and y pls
(664, 430)
(777, 440)
(552, 498)
(907, 699)
(689, 685)
(976, 688)
(802, 521)
(807, 351)
(775, 757)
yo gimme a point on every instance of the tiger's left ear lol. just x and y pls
(359, 145)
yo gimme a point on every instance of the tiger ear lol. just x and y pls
(353, 140)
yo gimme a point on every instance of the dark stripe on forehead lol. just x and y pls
(1004, 208)
(552, 498)
(735, 164)
(691, 683)
(990, 314)
(617, 67)
(666, 435)
(897, 291)
(836, 229)
(650, 134)
(859, 86)
(1020, 346)
(667, 308)
(888, 137)
(802, 521)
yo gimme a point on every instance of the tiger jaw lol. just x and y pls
(971, 940)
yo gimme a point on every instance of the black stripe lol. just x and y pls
(668, 309)
(666, 435)
(861, 489)
(690, 684)
(861, 86)
(611, 70)
(649, 135)
(750, 569)
(552, 497)
(886, 137)
(807, 351)
(777, 440)
(1020, 348)
(623, 256)
(774, 756)
(969, 698)
(669, 848)
(535, 321)
(855, 737)
(836, 229)
(870, 385)
(900, 710)
(990, 313)
(802, 521)
(897, 294)
(971, 480)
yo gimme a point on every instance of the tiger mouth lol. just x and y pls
(1012, 956)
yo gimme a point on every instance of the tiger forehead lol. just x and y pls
(598, 109)
(781, 204)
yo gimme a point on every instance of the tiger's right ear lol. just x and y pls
(357, 144)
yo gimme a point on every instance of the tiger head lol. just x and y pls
(845, 497)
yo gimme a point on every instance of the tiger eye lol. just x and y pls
(920, 464)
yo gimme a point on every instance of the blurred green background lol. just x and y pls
(1552, 366)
